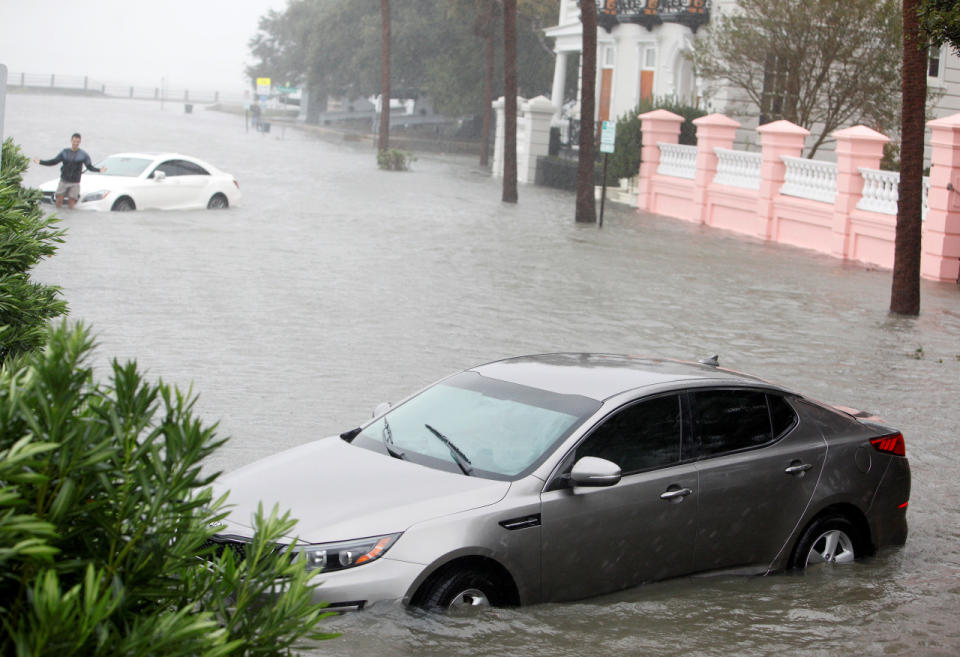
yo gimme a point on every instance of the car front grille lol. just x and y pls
(214, 547)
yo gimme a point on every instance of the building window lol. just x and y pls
(935, 62)
(650, 58)
(609, 57)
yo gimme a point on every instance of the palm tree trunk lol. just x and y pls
(384, 141)
(586, 204)
(905, 290)
(510, 101)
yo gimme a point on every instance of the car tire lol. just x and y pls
(218, 202)
(123, 204)
(458, 589)
(828, 540)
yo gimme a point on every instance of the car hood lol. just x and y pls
(338, 491)
(90, 182)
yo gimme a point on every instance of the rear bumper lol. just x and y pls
(888, 512)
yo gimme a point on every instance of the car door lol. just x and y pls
(758, 471)
(595, 540)
(192, 185)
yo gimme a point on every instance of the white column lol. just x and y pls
(559, 78)
(499, 106)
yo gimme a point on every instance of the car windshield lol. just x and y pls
(118, 165)
(503, 430)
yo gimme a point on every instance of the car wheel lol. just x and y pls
(218, 202)
(123, 204)
(832, 540)
(459, 589)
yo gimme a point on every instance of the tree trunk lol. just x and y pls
(487, 33)
(510, 101)
(905, 291)
(384, 141)
(586, 204)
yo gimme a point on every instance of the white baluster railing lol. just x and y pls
(677, 160)
(879, 191)
(810, 179)
(738, 168)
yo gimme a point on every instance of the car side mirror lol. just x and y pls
(381, 408)
(594, 471)
(159, 175)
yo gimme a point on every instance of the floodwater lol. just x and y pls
(336, 286)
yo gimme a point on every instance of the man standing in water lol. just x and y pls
(73, 159)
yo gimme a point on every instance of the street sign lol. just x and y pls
(287, 90)
(608, 136)
(263, 86)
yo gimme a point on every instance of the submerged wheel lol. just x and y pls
(460, 589)
(123, 204)
(218, 202)
(831, 540)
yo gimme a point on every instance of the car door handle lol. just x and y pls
(675, 494)
(798, 468)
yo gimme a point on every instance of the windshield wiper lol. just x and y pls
(388, 442)
(458, 456)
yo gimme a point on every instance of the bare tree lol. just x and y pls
(905, 289)
(586, 203)
(384, 141)
(821, 64)
(510, 101)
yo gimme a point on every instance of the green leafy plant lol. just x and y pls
(105, 516)
(392, 159)
(26, 237)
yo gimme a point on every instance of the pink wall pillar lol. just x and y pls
(777, 139)
(713, 130)
(658, 126)
(857, 147)
(940, 258)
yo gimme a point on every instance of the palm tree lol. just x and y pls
(510, 101)
(586, 205)
(905, 290)
(384, 141)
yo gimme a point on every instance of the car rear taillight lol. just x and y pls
(892, 444)
(236, 184)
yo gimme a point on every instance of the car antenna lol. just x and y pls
(713, 361)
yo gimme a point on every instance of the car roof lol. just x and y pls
(601, 376)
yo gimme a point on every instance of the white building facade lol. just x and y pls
(640, 55)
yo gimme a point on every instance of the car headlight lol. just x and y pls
(345, 554)
(95, 196)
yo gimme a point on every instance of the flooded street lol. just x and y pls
(335, 286)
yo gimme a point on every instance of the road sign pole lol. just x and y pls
(603, 193)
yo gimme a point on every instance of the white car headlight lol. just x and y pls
(95, 196)
(345, 554)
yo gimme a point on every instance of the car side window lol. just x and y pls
(191, 169)
(731, 420)
(642, 436)
(180, 168)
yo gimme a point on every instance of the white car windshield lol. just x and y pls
(484, 426)
(118, 165)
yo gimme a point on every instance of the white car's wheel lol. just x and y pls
(218, 202)
(124, 204)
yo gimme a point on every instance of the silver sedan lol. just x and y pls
(562, 476)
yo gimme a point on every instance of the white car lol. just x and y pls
(152, 181)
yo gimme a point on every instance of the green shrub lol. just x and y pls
(104, 511)
(26, 237)
(392, 159)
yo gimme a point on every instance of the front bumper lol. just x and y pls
(355, 588)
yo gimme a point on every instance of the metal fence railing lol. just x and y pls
(86, 84)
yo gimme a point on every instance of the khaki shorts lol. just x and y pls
(68, 189)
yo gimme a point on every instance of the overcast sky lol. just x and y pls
(200, 44)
